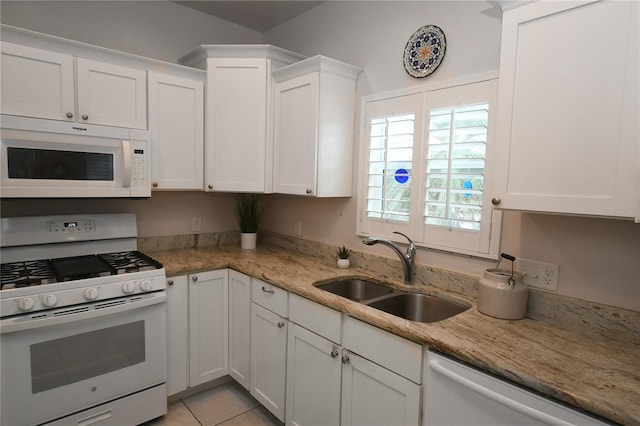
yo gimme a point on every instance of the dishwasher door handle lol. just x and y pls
(435, 366)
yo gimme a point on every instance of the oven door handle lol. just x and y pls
(70, 314)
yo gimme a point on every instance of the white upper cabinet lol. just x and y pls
(568, 132)
(239, 98)
(111, 95)
(314, 128)
(176, 121)
(40, 83)
(37, 83)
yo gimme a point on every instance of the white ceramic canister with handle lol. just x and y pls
(503, 294)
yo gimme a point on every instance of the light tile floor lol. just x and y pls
(227, 405)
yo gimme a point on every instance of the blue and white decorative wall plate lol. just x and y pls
(424, 51)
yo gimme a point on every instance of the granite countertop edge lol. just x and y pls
(599, 376)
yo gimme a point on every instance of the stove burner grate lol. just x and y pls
(38, 272)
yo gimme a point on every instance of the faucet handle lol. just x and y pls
(411, 250)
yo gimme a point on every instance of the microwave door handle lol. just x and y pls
(126, 172)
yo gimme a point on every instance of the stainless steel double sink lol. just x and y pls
(408, 305)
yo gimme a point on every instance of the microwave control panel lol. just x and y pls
(139, 164)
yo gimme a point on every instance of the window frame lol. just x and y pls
(428, 236)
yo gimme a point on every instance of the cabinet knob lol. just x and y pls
(309, 191)
(69, 115)
(495, 201)
(345, 359)
(154, 184)
(170, 282)
(194, 278)
(210, 186)
(334, 352)
(280, 324)
(85, 117)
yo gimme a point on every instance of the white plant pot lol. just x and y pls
(248, 240)
(344, 263)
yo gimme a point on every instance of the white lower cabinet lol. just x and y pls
(373, 395)
(208, 326)
(328, 384)
(269, 346)
(456, 394)
(197, 332)
(314, 368)
(240, 327)
(177, 336)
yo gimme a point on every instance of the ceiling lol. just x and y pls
(257, 15)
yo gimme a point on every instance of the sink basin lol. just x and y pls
(356, 289)
(418, 307)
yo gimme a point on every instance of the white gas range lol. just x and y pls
(83, 322)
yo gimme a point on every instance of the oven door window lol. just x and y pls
(67, 360)
(36, 163)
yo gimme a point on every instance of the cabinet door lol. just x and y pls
(268, 359)
(458, 395)
(566, 139)
(176, 121)
(296, 135)
(313, 379)
(240, 327)
(208, 326)
(111, 95)
(37, 83)
(177, 336)
(236, 124)
(373, 395)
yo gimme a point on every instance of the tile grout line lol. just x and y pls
(191, 412)
(237, 415)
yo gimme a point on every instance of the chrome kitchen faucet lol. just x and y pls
(408, 259)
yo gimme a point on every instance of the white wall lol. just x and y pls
(156, 29)
(598, 257)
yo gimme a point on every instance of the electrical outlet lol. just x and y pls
(297, 227)
(196, 224)
(539, 274)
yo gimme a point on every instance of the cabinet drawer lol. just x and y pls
(270, 297)
(315, 317)
(388, 350)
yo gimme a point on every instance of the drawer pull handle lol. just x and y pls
(266, 290)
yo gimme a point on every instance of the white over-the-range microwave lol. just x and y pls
(50, 159)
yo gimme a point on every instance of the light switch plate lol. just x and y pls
(539, 274)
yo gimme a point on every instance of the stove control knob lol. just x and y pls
(26, 304)
(128, 287)
(146, 285)
(49, 300)
(91, 293)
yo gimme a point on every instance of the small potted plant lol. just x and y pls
(248, 214)
(343, 254)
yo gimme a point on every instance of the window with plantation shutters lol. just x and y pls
(390, 157)
(455, 166)
(423, 169)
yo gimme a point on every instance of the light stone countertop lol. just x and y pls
(598, 374)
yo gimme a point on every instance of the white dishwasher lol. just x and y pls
(456, 394)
